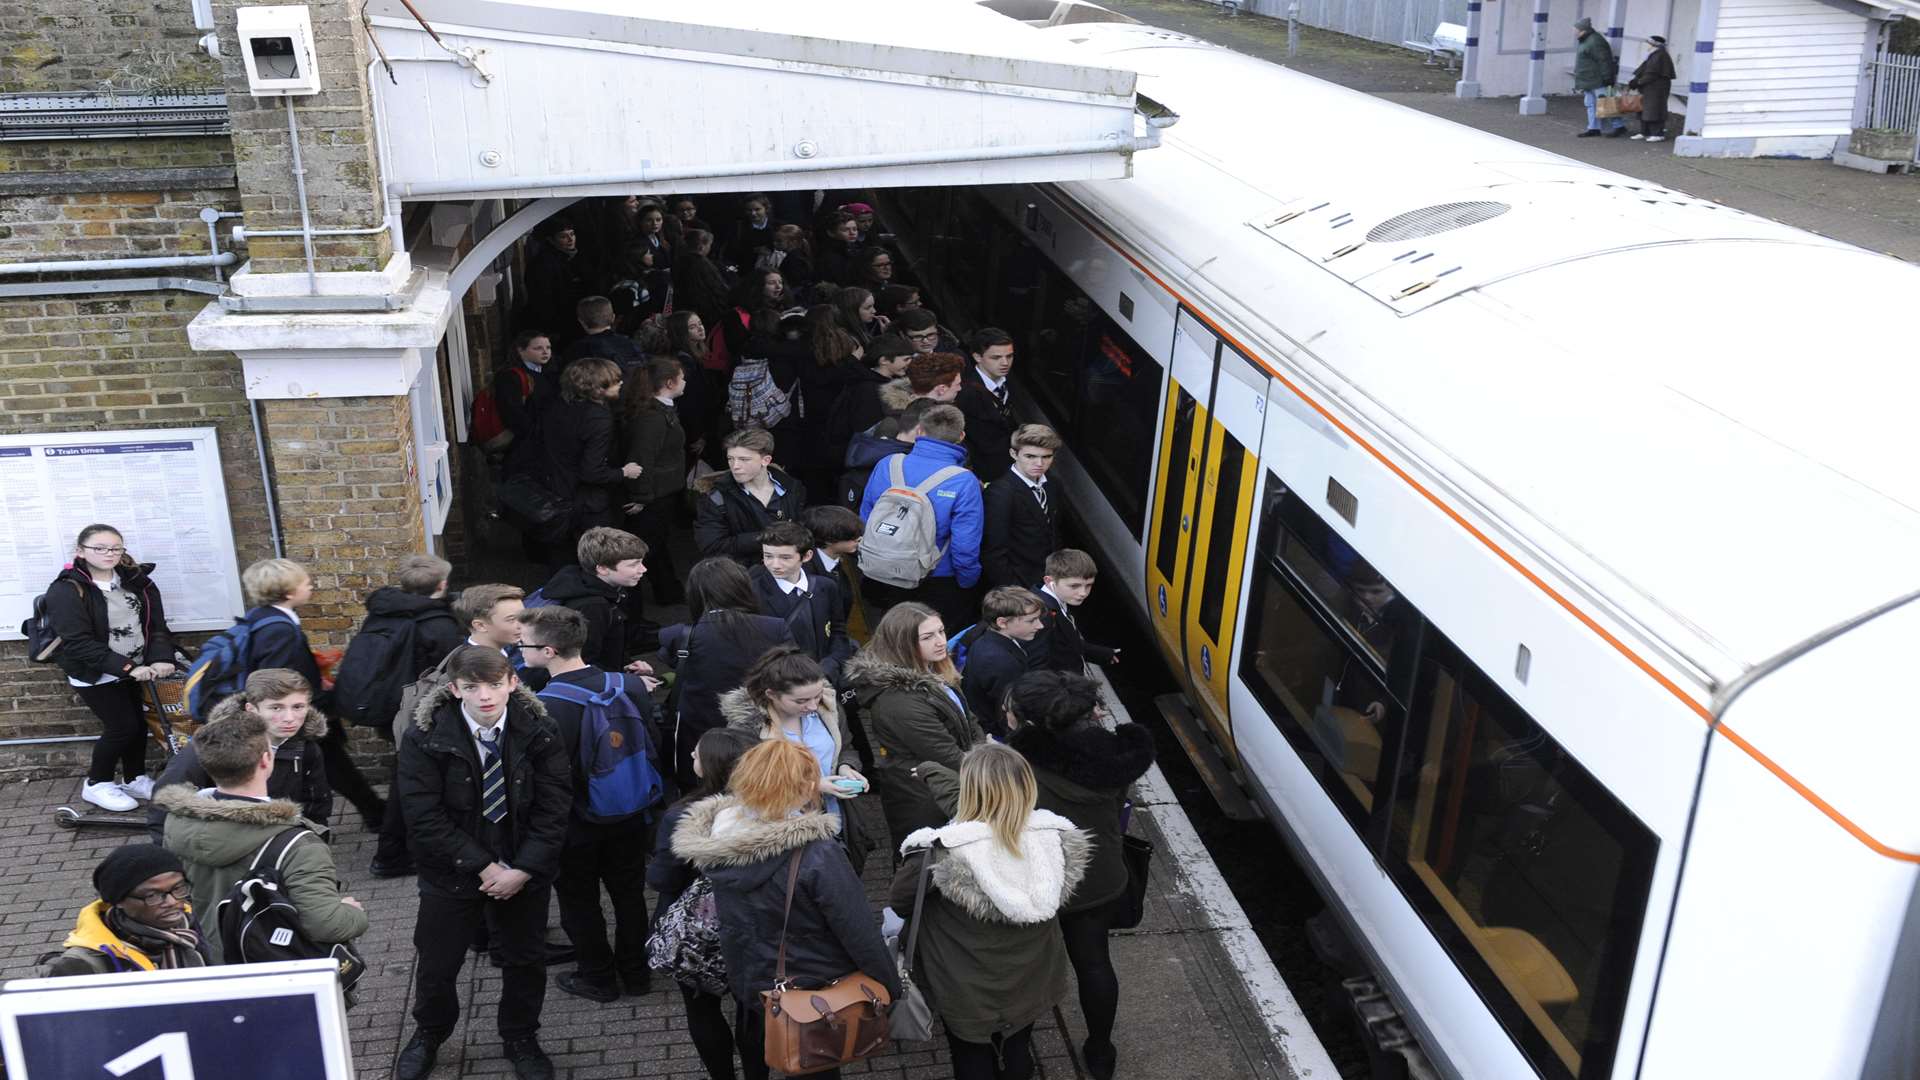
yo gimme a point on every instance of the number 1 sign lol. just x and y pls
(260, 1021)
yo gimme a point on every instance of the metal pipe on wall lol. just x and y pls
(300, 186)
(266, 481)
(153, 262)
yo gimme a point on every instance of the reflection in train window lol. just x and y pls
(1367, 604)
(1221, 535)
(1119, 395)
(1173, 506)
(1531, 873)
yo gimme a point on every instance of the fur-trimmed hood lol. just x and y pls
(722, 480)
(316, 725)
(722, 839)
(740, 712)
(1088, 755)
(895, 394)
(876, 674)
(988, 882)
(219, 832)
(423, 712)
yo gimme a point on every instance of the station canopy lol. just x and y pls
(527, 98)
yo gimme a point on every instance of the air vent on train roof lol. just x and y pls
(1430, 220)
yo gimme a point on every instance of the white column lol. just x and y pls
(1700, 67)
(1535, 103)
(1469, 84)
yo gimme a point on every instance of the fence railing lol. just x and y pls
(1895, 103)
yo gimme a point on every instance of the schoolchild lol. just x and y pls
(113, 633)
(810, 604)
(915, 714)
(418, 595)
(1022, 512)
(284, 700)
(1000, 653)
(725, 634)
(486, 788)
(598, 852)
(655, 439)
(733, 509)
(957, 515)
(1065, 586)
(143, 921)
(836, 542)
(608, 562)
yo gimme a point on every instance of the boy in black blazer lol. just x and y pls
(836, 542)
(810, 604)
(1022, 512)
(1067, 584)
(1000, 654)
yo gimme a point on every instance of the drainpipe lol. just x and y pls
(98, 286)
(157, 262)
(49, 740)
(300, 186)
(266, 482)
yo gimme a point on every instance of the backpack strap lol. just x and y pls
(940, 476)
(897, 470)
(274, 852)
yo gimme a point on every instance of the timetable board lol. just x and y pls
(161, 488)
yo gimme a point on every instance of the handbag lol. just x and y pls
(1606, 104)
(812, 1030)
(531, 502)
(1137, 854)
(685, 944)
(1631, 102)
(912, 1016)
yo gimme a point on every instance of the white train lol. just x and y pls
(1537, 544)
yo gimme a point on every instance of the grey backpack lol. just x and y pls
(900, 546)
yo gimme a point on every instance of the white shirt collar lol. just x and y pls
(108, 585)
(474, 730)
(291, 614)
(992, 384)
(1034, 484)
(533, 367)
(791, 587)
(503, 652)
(827, 562)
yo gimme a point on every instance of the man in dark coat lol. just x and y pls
(731, 511)
(1594, 69)
(1654, 79)
(988, 399)
(486, 788)
(1022, 512)
(557, 280)
(999, 653)
(810, 604)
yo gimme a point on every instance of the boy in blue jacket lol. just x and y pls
(958, 515)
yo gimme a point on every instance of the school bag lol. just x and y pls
(753, 398)
(257, 920)
(221, 669)
(959, 644)
(37, 628)
(685, 943)
(899, 546)
(488, 429)
(367, 684)
(538, 598)
(411, 695)
(621, 779)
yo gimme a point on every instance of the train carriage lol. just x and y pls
(1529, 540)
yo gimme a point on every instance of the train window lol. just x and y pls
(1330, 704)
(1119, 394)
(1174, 507)
(1052, 367)
(1531, 874)
(1221, 533)
(1374, 614)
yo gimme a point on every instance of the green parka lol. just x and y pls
(1592, 63)
(913, 724)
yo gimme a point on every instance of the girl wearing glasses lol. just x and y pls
(113, 637)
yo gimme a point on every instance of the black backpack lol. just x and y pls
(257, 920)
(42, 642)
(378, 665)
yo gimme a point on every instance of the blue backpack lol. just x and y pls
(958, 644)
(621, 778)
(221, 669)
(538, 598)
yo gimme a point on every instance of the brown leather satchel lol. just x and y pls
(810, 1031)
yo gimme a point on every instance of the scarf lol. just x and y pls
(178, 947)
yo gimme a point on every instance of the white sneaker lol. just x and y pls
(141, 788)
(108, 796)
(1640, 136)
(1656, 138)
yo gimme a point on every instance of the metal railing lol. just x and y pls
(1895, 101)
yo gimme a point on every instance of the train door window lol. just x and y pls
(1119, 394)
(1179, 447)
(1376, 617)
(1051, 368)
(1221, 534)
(1532, 875)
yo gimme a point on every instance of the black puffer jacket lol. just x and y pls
(435, 631)
(718, 649)
(576, 440)
(602, 606)
(439, 784)
(78, 611)
(728, 521)
(832, 931)
(1084, 773)
(299, 773)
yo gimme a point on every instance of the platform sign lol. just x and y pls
(281, 1021)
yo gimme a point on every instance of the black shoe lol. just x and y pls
(400, 868)
(638, 984)
(1100, 1060)
(1616, 133)
(529, 1061)
(556, 954)
(573, 984)
(417, 1057)
(1590, 133)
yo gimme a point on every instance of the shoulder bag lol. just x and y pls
(810, 1031)
(1137, 853)
(685, 945)
(912, 1016)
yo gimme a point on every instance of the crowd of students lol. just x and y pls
(557, 743)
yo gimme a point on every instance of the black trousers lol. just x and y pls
(654, 524)
(392, 851)
(614, 856)
(517, 932)
(750, 1038)
(712, 1038)
(345, 777)
(1086, 936)
(123, 736)
(1010, 1058)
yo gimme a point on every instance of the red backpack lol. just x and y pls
(487, 430)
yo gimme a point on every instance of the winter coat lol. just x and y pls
(1593, 63)
(832, 930)
(78, 611)
(217, 839)
(668, 875)
(834, 261)
(438, 778)
(862, 817)
(729, 521)
(602, 605)
(566, 717)
(608, 344)
(520, 393)
(556, 283)
(912, 723)
(1083, 774)
(857, 407)
(990, 953)
(576, 441)
(989, 424)
(817, 621)
(435, 631)
(94, 949)
(821, 389)
(299, 773)
(278, 641)
(994, 663)
(717, 651)
(655, 440)
(1019, 533)
(1059, 645)
(863, 453)
(1654, 79)
(958, 516)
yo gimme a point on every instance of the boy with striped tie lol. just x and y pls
(484, 788)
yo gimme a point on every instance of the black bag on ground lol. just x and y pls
(258, 923)
(1138, 855)
(525, 498)
(375, 669)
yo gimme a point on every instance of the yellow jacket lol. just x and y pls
(93, 949)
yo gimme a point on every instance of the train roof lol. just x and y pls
(1688, 409)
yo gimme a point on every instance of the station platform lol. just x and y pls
(1199, 997)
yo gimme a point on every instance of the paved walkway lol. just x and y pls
(1881, 213)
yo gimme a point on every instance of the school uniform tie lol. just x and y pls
(1000, 395)
(493, 779)
(1040, 493)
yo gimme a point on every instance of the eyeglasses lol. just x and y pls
(181, 893)
(922, 335)
(98, 550)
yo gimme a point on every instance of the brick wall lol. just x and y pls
(125, 44)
